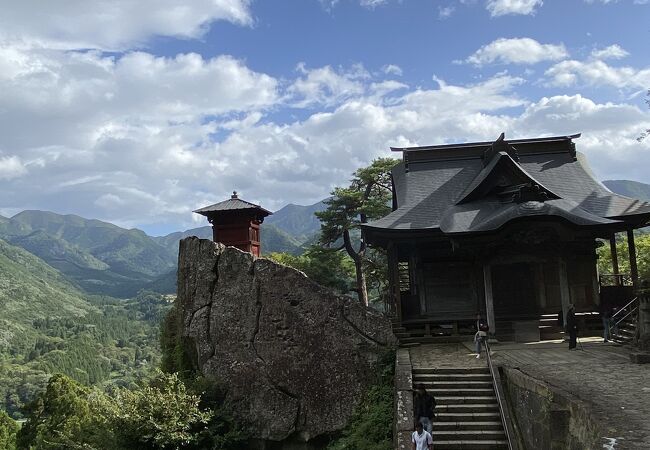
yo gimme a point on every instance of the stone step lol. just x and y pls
(467, 407)
(460, 400)
(442, 339)
(455, 384)
(468, 435)
(470, 445)
(489, 425)
(491, 416)
(453, 376)
(460, 392)
(409, 344)
(461, 370)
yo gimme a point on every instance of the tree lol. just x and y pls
(642, 241)
(367, 198)
(8, 430)
(325, 266)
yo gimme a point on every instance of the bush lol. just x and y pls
(371, 425)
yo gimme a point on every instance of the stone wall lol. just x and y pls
(294, 356)
(547, 419)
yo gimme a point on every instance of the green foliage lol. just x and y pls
(8, 430)
(642, 241)
(162, 414)
(367, 198)
(114, 343)
(371, 425)
(325, 266)
(178, 352)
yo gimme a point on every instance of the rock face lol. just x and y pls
(294, 356)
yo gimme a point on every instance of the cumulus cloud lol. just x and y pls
(517, 51)
(114, 24)
(597, 73)
(11, 167)
(505, 7)
(392, 69)
(326, 86)
(611, 52)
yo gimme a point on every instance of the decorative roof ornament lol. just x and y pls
(500, 145)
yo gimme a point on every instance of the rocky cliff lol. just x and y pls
(294, 356)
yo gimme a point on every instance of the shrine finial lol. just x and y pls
(234, 194)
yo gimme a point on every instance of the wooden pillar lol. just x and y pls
(417, 280)
(489, 300)
(631, 247)
(565, 292)
(541, 286)
(612, 249)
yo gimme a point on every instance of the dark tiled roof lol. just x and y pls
(432, 186)
(232, 204)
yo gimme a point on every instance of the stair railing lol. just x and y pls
(626, 311)
(498, 391)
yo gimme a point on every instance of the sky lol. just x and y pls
(139, 112)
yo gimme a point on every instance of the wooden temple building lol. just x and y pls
(236, 222)
(506, 229)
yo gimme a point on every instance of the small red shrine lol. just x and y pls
(236, 223)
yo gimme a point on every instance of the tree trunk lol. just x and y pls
(358, 266)
(361, 283)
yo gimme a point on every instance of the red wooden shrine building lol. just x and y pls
(236, 222)
(506, 228)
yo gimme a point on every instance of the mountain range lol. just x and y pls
(101, 258)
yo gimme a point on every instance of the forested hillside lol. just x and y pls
(49, 326)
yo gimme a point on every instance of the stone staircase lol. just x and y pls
(625, 332)
(467, 412)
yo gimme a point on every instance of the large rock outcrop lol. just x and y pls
(294, 356)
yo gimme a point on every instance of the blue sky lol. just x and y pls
(139, 112)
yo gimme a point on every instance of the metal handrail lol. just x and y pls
(498, 396)
(614, 324)
(625, 307)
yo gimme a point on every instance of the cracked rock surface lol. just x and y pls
(294, 356)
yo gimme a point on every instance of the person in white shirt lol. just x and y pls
(421, 438)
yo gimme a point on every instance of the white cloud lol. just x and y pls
(597, 73)
(444, 12)
(517, 51)
(392, 69)
(504, 7)
(113, 24)
(372, 3)
(326, 86)
(11, 167)
(611, 52)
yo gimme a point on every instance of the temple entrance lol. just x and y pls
(513, 290)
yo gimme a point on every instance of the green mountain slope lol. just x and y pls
(29, 290)
(100, 257)
(629, 188)
(297, 221)
(123, 250)
(48, 326)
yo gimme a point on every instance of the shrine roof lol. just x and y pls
(466, 188)
(234, 203)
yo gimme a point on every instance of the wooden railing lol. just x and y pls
(615, 279)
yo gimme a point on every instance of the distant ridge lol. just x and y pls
(297, 220)
(634, 189)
